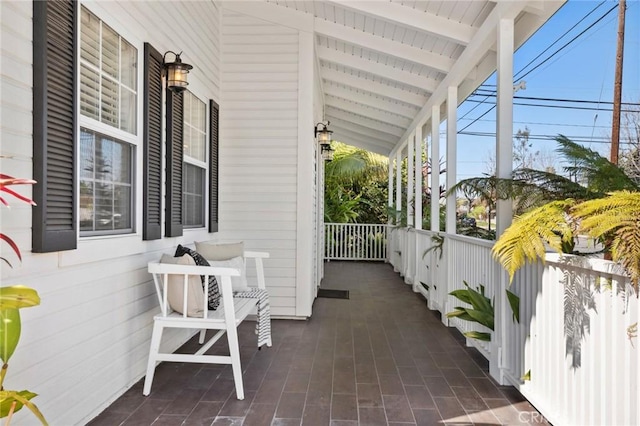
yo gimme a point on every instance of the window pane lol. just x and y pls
(108, 77)
(110, 52)
(128, 111)
(86, 155)
(193, 197)
(106, 184)
(86, 206)
(121, 163)
(90, 38)
(104, 206)
(122, 207)
(89, 93)
(104, 160)
(129, 65)
(109, 102)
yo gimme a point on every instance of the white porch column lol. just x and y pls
(452, 139)
(418, 180)
(504, 123)
(398, 185)
(390, 188)
(410, 190)
(435, 168)
(305, 284)
(504, 164)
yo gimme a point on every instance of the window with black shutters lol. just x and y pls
(195, 160)
(108, 127)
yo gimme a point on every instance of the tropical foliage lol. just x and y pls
(12, 299)
(600, 201)
(481, 310)
(355, 186)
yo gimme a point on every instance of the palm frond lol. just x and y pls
(527, 238)
(617, 214)
(601, 174)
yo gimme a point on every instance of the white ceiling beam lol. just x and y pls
(471, 56)
(371, 86)
(424, 22)
(359, 120)
(349, 131)
(370, 101)
(383, 45)
(376, 68)
(364, 130)
(374, 114)
(354, 139)
(272, 13)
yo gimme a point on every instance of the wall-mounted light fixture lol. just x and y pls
(176, 72)
(322, 133)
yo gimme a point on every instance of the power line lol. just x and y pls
(558, 39)
(537, 123)
(569, 42)
(537, 66)
(550, 106)
(584, 101)
(586, 139)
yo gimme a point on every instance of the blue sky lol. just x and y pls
(583, 70)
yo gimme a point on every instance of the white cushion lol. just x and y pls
(237, 283)
(175, 290)
(214, 251)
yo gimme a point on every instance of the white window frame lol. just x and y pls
(204, 165)
(134, 140)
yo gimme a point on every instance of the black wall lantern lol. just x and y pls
(322, 133)
(176, 72)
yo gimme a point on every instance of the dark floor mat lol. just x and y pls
(334, 294)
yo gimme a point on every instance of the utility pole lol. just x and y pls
(617, 86)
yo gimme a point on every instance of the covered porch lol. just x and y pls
(380, 357)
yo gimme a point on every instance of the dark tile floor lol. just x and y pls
(379, 358)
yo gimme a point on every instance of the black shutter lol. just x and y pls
(214, 111)
(55, 76)
(174, 164)
(152, 183)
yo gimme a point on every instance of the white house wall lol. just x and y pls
(88, 340)
(263, 132)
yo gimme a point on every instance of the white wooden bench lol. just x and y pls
(226, 318)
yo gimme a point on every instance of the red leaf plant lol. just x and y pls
(5, 182)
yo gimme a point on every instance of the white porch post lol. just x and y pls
(305, 284)
(417, 202)
(410, 190)
(452, 139)
(418, 180)
(390, 188)
(504, 165)
(435, 168)
(398, 185)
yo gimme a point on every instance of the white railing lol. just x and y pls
(584, 367)
(570, 354)
(470, 261)
(354, 241)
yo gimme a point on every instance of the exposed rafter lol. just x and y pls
(383, 45)
(420, 21)
(369, 100)
(342, 123)
(373, 87)
(376, 68)
(359, 120)
(372, 113)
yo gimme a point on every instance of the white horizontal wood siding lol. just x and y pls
(259, 147)
(88, 341)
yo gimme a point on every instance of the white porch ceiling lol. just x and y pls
(384, 63)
